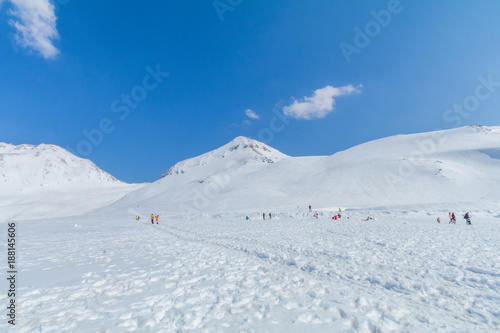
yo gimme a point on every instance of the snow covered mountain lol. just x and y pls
(46, 181)
(210, 173)
(241, 151)
(458, 166)
(400, 271)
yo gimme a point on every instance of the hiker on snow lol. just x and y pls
(467, 218)
(157, 217)
(152, 218)
(263, 216)
(310, 208)
(270, 216)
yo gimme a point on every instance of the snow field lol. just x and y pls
(114, 274)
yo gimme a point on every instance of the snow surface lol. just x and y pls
(399, 272)
(204, 268)
(445, 167)
(47, 181)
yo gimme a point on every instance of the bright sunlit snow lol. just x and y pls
(384, 265)
(400, 272)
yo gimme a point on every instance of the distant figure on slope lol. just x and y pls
(157, 217)
(335, 217)
(449, 215)
(453, 218)
(340, 209)
(467, 218)
(247, 218)
(137, 217)
(152, 218)
(310, 208)
(263, 216)
(315, 214)
(439, 220)
(270, 216)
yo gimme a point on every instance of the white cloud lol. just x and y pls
(251, 114)
(320, 104)
(35, 24)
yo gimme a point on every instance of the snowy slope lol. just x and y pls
(457, 167)
(451, 166)
(46, 180)
(210, 173)
(240, 152)
(213, 271)
(110, 273)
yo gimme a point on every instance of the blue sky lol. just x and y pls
(137, 86)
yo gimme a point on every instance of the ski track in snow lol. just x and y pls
(227, 275)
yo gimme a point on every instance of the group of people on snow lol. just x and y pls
(153, 217)
(334, 216)
(453, 218)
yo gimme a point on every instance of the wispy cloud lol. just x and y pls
(251, 114)
(320, 104)
(35, 24)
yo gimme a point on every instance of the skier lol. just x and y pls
(439, 220)
(449, 215)
(152, 218)
(467, 218)
(157, 217)
(263, 216)
(270, 216)
(316, 214)
(340, 209)
(137, 217)
(453, 218)
(310, 208)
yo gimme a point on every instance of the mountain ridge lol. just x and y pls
(255, 151)
(433, 167)
(458, 165)
(45, 180)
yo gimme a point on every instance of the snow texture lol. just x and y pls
(452, 166)
(47, 181)
(399, 272)
(385, 266)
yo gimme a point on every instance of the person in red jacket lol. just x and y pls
(157, 217)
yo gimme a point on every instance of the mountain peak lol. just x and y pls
(47, 165)
(241, 150)
(257, 147)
